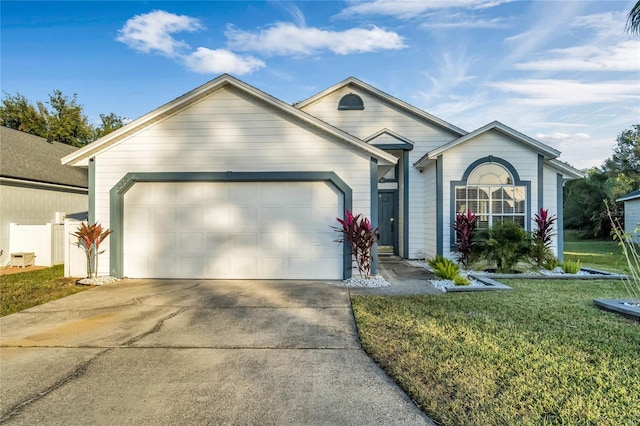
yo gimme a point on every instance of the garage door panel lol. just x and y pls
(218, 244)
(245, 218)
(239, 230)
(217, 218)
(191, 242)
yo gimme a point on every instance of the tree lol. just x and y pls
(18, 113)
(626, 155)
(633, 19)
(108, 123)
(67, 122)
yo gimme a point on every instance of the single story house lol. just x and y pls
(34, 185)
(227, 181)
(632, 213)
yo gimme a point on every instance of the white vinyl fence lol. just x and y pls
(75, 259)
(45, 241)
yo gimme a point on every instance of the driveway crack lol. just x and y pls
(155, 328)
(78, 372)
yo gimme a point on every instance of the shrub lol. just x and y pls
(89, 239)
(356, 231)
(570, 266)
(551, 263)
(541, 237)
(465, 228)
(444, 268)
(505, 244)
(460, 280)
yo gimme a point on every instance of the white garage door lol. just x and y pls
(232, 230)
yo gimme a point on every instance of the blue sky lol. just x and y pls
(563, 72)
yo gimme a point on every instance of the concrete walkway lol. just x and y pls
(406, 280)
(150, 352)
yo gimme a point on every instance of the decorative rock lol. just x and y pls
(375, 281)
(97, 280)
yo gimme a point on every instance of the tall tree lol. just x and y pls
(67, 122)
(18, 113)
(633, 19)
(626, 155)
(108, 123)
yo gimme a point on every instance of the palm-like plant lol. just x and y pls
(633, 19)
(89, 239)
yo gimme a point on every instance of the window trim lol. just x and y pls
(463, 182)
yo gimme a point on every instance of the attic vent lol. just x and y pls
(350, 102)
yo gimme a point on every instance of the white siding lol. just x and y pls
(229, 131)
(32, 206)
(457, 159)
(430, 211)
(550, 202)
(376, 116)
(632, 218)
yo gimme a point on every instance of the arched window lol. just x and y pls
(350, 102)
(491, 193)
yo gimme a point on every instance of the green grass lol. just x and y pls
(540, 354)
(27, 289)
(598, 254)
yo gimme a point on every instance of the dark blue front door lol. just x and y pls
(387, 222)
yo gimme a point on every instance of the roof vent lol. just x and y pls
(350, 102)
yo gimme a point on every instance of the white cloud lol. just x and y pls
(556, 92)
(625, 56)
(404, 9)
(286, 38)
(152, 32)
(207, 61)
(468, 23)
(605, 47)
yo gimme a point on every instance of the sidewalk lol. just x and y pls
(406, 280)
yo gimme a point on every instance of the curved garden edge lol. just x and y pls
(620, 306)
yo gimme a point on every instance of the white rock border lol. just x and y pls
(97, 280)
(376, 281)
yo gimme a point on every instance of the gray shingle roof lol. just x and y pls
(28, 157)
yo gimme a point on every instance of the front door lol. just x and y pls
(387, 222)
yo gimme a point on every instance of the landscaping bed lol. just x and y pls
(542, 354)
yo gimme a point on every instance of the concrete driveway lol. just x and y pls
(195, 352)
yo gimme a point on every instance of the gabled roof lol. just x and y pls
(416, 112)
(32, 158)
(530, 143)
(389, 138)
(82, 156)
(630, 196)
(568, 172)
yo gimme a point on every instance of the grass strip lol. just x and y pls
(541, 354)
(28, 289)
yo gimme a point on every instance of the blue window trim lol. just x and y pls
(560, 215)
(465, 178)
(92, 190)
(351, 102)
(119, 190)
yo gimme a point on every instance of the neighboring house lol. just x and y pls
(632, 213)
(227, 181)
(33, 183)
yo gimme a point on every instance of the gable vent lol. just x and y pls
(350, 102)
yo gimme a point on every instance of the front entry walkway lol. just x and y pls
(195, 352)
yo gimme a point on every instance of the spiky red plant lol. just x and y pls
(465, 228)
(356, 231)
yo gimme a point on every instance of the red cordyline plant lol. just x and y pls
(465, 229)
(542, 236)
(356, 231)
(89, 239)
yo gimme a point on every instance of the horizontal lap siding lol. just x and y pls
(550, 202)
(218, 135)
(457, 159)
(431, 211)
(378, 115)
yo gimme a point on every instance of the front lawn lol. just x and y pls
(27, 289)
(598, 254)
(540, 354)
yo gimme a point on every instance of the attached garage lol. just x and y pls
(228, 182)
(236, 230)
